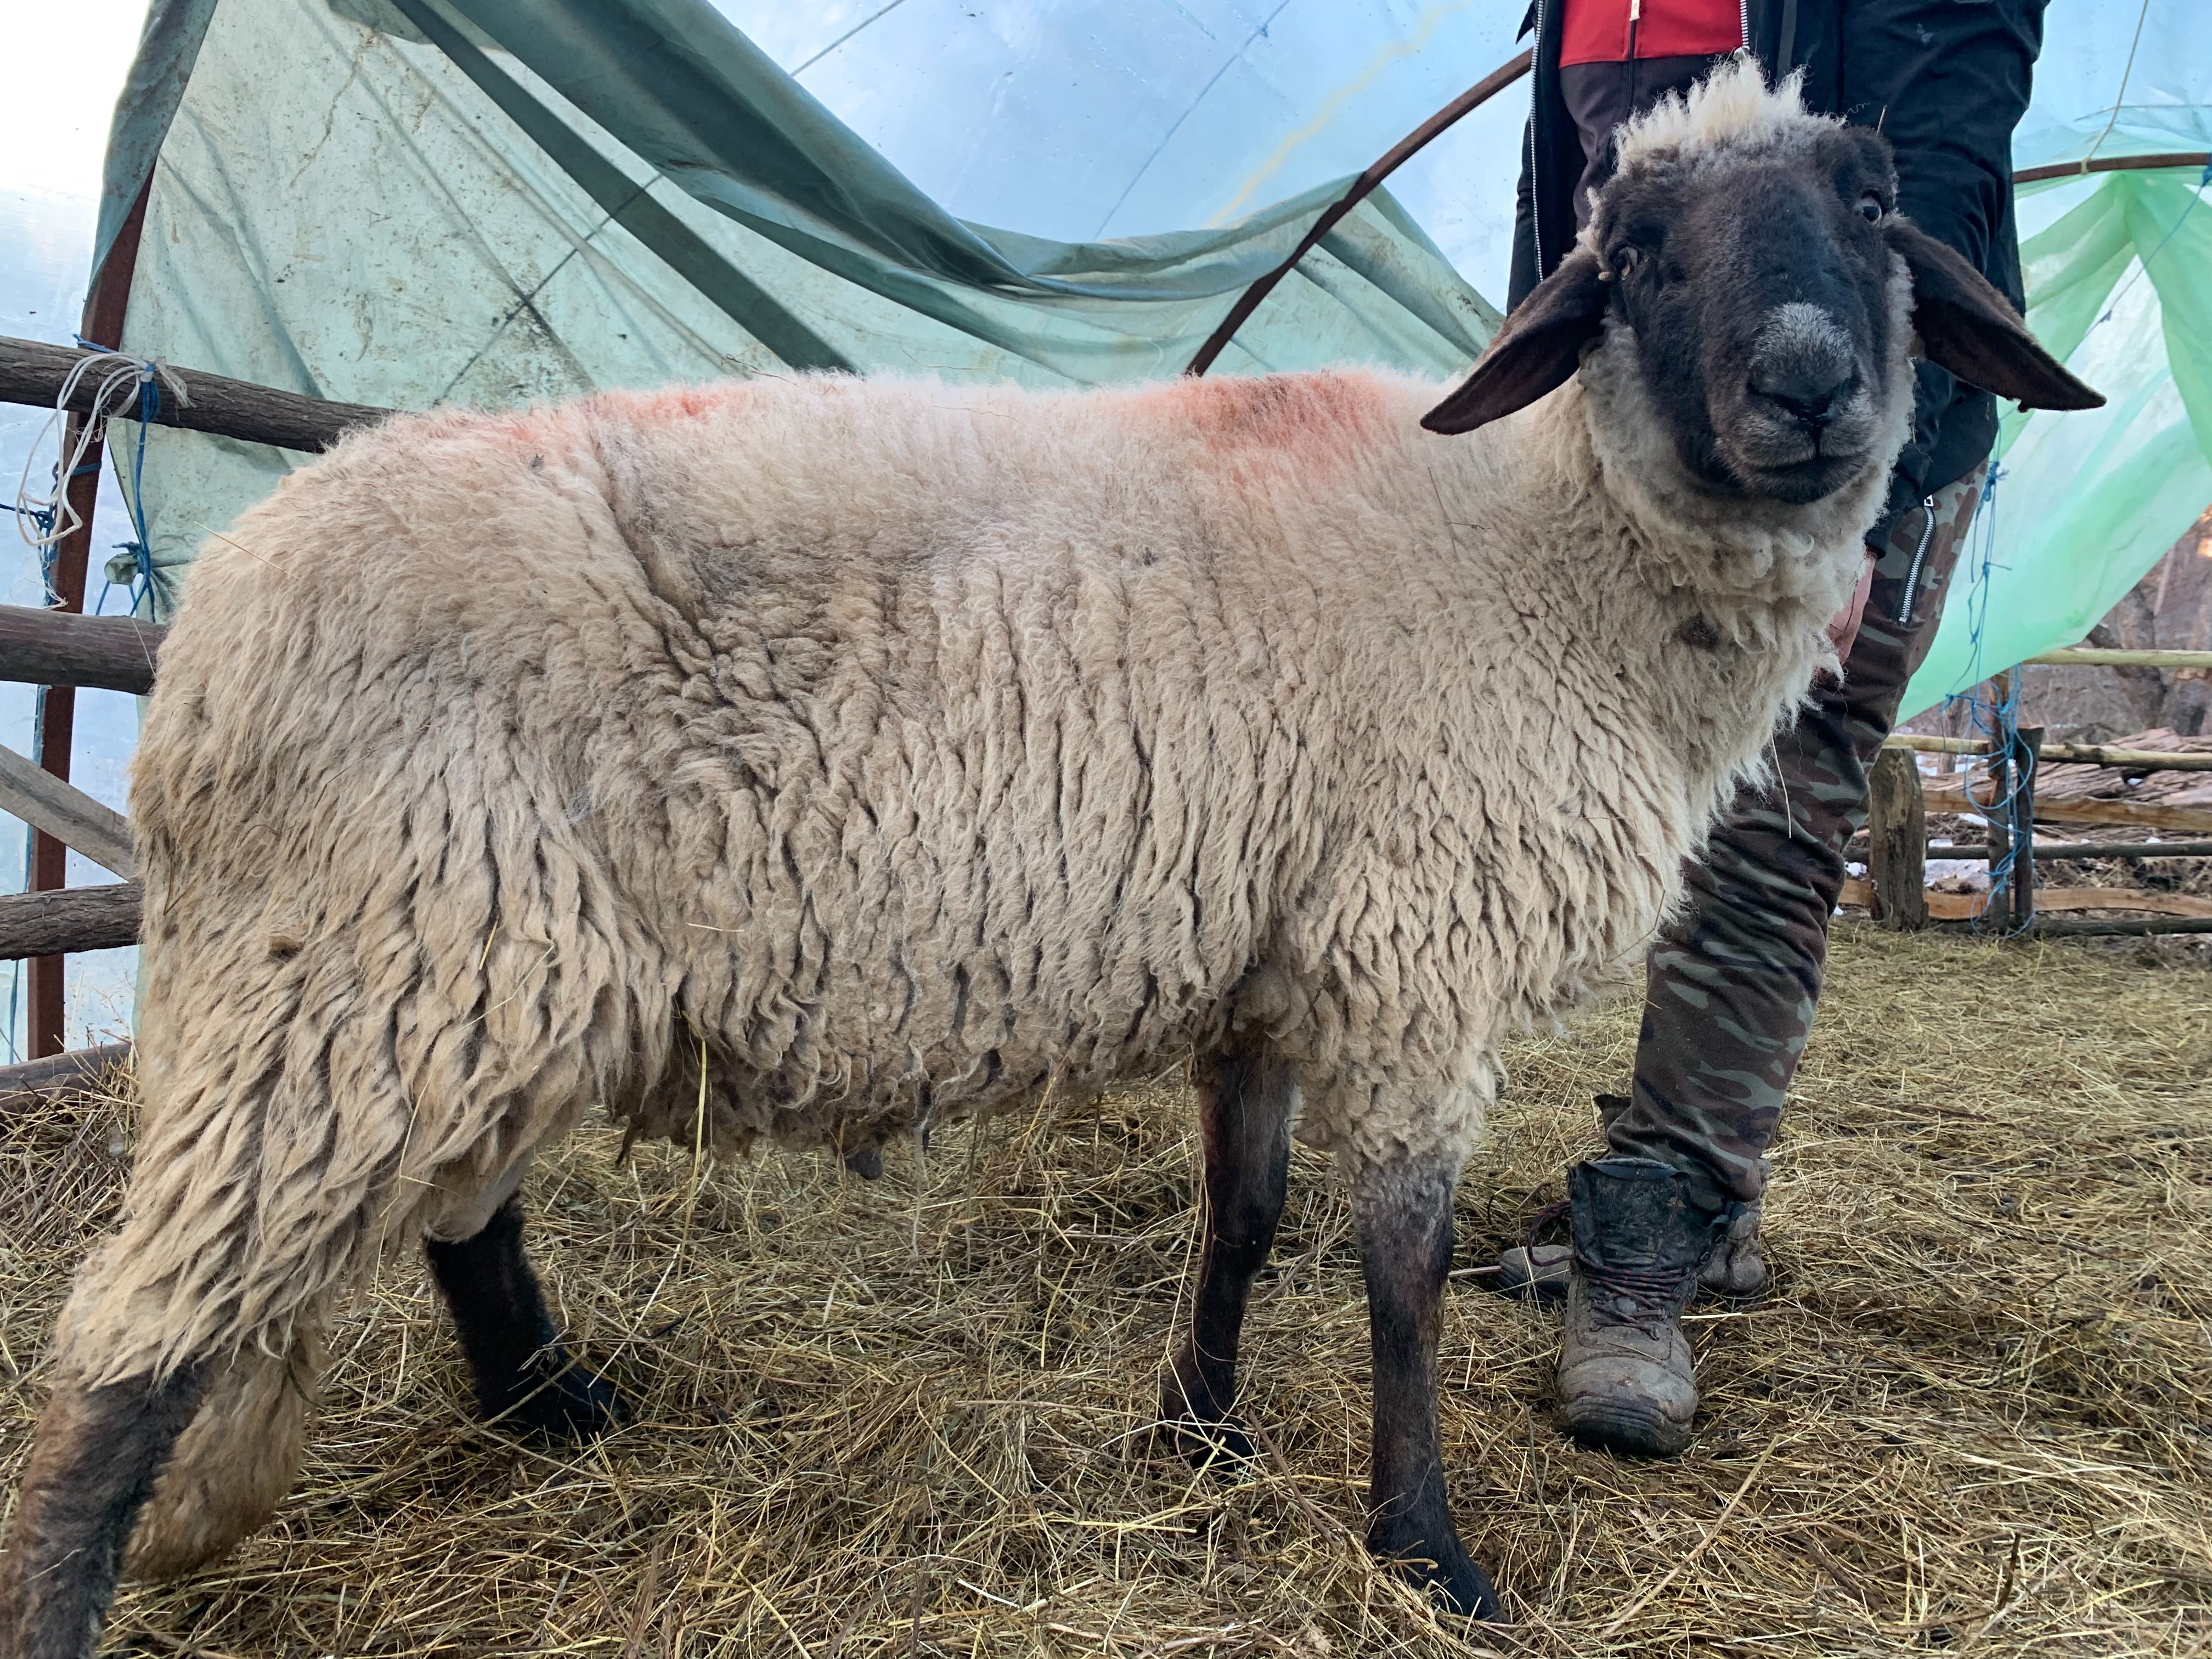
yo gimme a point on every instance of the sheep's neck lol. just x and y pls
(1716, 613)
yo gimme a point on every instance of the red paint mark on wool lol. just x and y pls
(569, 427)
(1309, 422)
(668, 404)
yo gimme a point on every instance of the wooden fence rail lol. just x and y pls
(60, 648)
(67, 813)
(2075, 852)
(34, 1082)
(34, 373)
(68, 919)
(2075, 754)
(2089, 656)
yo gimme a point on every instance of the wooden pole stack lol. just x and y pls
(106, 299)
(1897, 828)
(58, 649)
(2023, 745)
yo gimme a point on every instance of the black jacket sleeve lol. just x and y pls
(1551, 162)
(1947, 80)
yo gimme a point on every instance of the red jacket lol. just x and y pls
(1614, 30)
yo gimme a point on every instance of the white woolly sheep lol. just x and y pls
(899, 746)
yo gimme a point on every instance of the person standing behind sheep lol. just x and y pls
(1733, 979)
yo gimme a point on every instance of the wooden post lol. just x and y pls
(67, 813)
(2027, 743)
(1897, 833)
(1998, 812)
(37, 1083)
(104, 302)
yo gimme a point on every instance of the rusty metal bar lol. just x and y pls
(1399, 153)
(2180, 158)
(106, 302)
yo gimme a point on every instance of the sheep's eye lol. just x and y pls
(1626, 257)
(1870, 208)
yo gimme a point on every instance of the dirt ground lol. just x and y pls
(909, 1418)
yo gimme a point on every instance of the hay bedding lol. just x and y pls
(1972, 1416)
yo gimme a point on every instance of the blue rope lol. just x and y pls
(147, 584)
(2204, 179)
(1996, 719)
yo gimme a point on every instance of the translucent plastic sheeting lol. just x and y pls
(1082, 118)
(412, 214)
(2118, 268)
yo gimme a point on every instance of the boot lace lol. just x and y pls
(1651, 1293)
(1545, 1217)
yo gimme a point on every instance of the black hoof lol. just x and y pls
(561, 1401)
(1196, 1422)
(1206, 1444)
(1446, 1572)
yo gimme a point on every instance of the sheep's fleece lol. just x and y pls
(892, 749)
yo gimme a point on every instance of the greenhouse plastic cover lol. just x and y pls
(410, 202)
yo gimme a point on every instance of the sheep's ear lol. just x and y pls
(1536, 350)
(1966, 326)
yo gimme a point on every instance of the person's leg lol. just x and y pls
(1730, 989)
(1732, 983)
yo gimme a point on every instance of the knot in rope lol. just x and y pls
(128, 386)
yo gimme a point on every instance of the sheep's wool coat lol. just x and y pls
(890, 750)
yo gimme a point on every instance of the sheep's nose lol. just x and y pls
(1803, 360)
(1808, 394)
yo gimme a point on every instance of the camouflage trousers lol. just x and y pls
(1731, 985)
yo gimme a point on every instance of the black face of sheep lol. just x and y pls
(1756, 293)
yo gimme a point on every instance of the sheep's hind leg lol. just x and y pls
(1405, 1217)
(1246, 1098)
(93, 1463)
(524, 1378)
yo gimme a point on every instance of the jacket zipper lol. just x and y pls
(1919, 556)
(1628, 66)
(1536, 195)
(1743, 18)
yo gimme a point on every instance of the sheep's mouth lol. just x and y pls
(1798, 461)
(1805, 481)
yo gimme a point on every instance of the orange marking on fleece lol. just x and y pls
(1307, 420)
(671, 404)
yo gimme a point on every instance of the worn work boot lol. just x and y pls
(1736, 1272)
(1624, 1376)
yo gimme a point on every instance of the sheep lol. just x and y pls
(807, 763)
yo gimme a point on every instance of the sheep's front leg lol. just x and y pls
(93, 1463)
(1246, 1099)
(1405, 1216)
(524, 1378)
